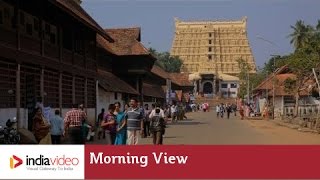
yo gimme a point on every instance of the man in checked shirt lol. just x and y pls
(73, 123)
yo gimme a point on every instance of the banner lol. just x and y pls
(159, 162)
(202, 162)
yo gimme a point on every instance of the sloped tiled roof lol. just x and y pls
(126, 42)
(279, 85)
(160, 72)
(281, 70)
(181, 79)
(112, 83)
(153, 90)
(75, 10)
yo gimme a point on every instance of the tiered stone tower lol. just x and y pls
(212, 47)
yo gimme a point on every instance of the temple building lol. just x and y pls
(211, 50)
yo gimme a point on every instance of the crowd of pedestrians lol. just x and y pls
(228, 109)
(117, 125)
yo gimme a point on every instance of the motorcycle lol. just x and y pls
(9, 134)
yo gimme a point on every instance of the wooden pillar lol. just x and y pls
(86, 94)
(60, 43)
(16, 12)
(73, 89)
(85, 53)
(139, 88)
(97, 99)
(60, 93)
(42, 86)
(18, 98)
(73, 48)
(41, 28)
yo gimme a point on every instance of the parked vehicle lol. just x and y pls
(9, 134)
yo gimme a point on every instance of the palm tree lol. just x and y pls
(301, 34)
(318, 26)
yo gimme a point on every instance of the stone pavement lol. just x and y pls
(206, 128)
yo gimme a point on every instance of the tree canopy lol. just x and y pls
(166, 61)
(306, 55)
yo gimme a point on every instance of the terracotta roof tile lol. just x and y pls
(279, 71)
(153, 90)
(126, 42)
(181, 79)
(104, 44)
(112, 83)
(160, 72)
(79, 13)
(279, 85)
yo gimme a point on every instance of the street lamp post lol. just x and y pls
(273, 84)
(274, 71)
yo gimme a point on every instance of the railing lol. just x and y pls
(91, 64)
(67, 56)
(51, 50)
(78, 60)
(29, 43)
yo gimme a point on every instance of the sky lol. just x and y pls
(268, 23)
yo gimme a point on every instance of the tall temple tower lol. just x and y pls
(211, 49)
(212, 46)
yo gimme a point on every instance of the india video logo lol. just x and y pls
(15, 161)
(56, 161)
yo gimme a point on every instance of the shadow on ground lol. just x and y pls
(187, 122)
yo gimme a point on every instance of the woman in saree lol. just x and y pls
(41, 128)
(121, 136)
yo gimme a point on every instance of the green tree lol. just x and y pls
(301, 65)
(244, 77)
(300, 35)
(166, 61)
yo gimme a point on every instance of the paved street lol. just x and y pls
(206, 128)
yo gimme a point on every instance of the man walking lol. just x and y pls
(218, 110)
(157, 127)
(229, 109)
(73, 124)
(57, 127)
(134, 118)
(174, 111)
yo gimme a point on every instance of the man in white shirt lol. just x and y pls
(153, 111)
(218, 110)
(174, 112)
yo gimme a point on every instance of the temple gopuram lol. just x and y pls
(210, 51)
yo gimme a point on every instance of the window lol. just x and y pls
(233, 85)
(1, 17)
(224, 85)
(210, 34)
(36, 24)
(67, 39)
(29, 29)
(47, 29)
(53, 38)
(210, 49)
(210, 57)
(115, 96)
(233, 92)
(209, 41)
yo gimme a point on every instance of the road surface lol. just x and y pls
(206, 128)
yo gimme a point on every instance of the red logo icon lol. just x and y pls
(14, 164)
